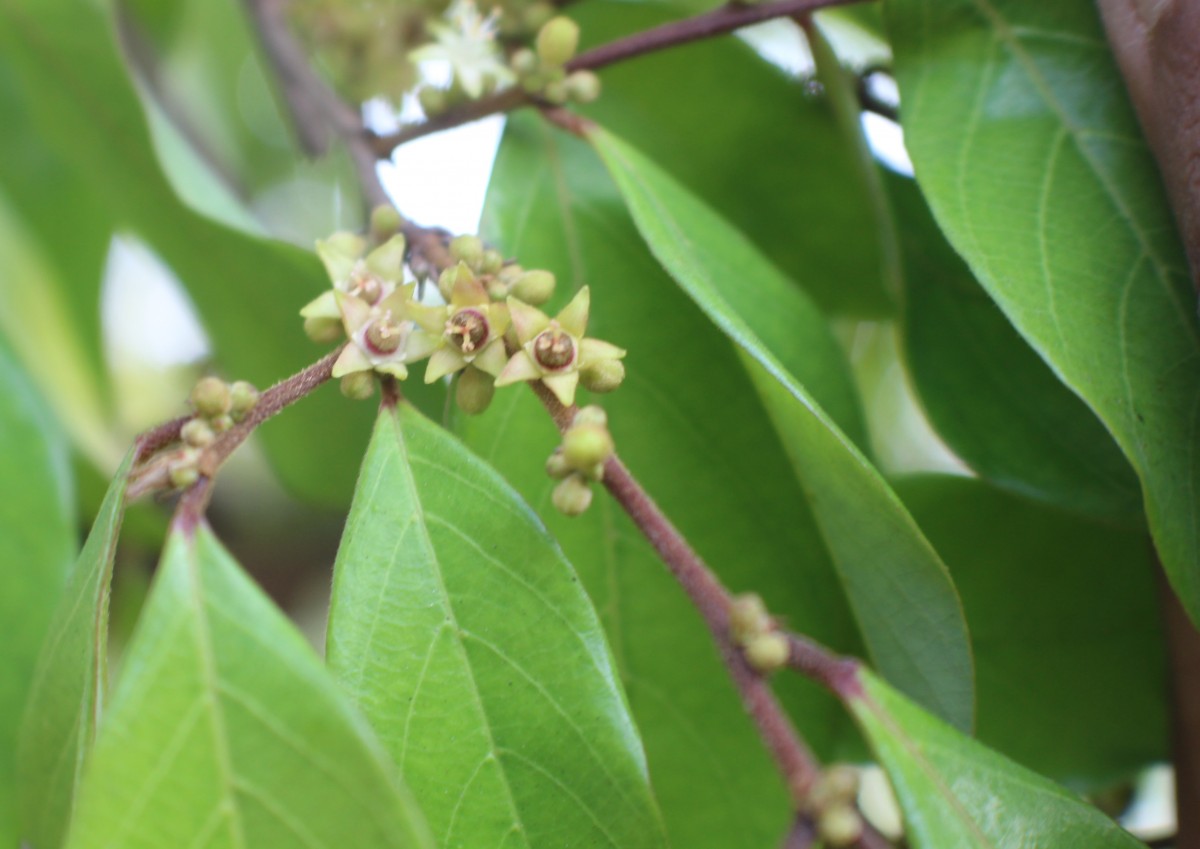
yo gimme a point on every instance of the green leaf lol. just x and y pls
(995, 401)
(704, 449)
(37, 542)
(246, 289)
(774, 160)
(224, 729)
(1031, 159)
(464, 635)
(956, 792)
(1069, 652)
(903, 598)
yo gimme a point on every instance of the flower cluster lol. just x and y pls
(487, 331)
(579, 460)
(217, 406)
(542, 71)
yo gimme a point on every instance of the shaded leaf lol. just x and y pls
(996, 402)
(463, 633)
(903, 598)
(748, 141)
(37, 542)
(1025, 146)
(1070, 658)
(956, 792)
(224, 729)
(706, 452)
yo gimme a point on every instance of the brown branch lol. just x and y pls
(720, 21)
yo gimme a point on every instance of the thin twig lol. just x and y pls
(719, 21)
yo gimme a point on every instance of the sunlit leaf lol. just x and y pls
(465, 636)
(1025, 146)
(224, 729)
(956, 792)
(904, 600)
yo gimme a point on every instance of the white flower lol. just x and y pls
(468, 43)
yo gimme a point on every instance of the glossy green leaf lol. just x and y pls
(957, 792)
(74, 87)
(903, 598)
(748, 141)
(706, 452)
(464, 635)
(37, 542)
(1069, 653)
(996, 402)
(224, 729)
(1030, 156)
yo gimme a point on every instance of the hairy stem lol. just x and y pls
(719, 21)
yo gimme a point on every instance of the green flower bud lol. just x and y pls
(557, 40)
(572, 495)
(590, 415)
(557, 466)
(510, 274)
(432, 100)
(838, 785)
(468, 249)
(586, 446)
(748, 618)
(358, 385)
(583, 86)
(446, 282)
(602, 376)
(210, 397)
(474, 391)
(243, 397)
(555, 92)
(220, 424)
(524, 62)
(534, 287)
(385, 222)
(767, 652)
(492, 262)
(181, 468)
(322, 329)
(497, 290)
(839, 825)
(535, 16)
(197, 433)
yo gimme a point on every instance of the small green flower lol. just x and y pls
(554, 350)
(469, 330)
(383, 337)
(371, 279)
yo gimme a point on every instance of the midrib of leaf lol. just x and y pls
(914, 751)
(431, 557)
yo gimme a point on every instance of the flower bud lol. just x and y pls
(197, 433)
(748, 618)
(557, 466)
(838, 785)
(583, 86)
(534, 287)
(210, 397)
(602, 376)
(222, 423)
(385, 222)
(446, 282)
(323, 329)
(468, 249)
(590, 415)
(572, 495)
(536, 14)
(497, 290)
(181, 468)
(586, 446)
(555, 92)
(767, 652)
(243, 396)
(557, 40)
(524, 62)
(839, 825)
(474, 391)
(358, 385)
(492, 262)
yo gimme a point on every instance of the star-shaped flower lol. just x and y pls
(470, 330)
(383, 337)
(468, 44)
(554, 350)
(370, 279)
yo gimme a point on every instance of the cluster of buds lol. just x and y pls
(543, 72)
(217, 406)
(833, 801)
(465, 41)
(754, 631)
(488, 330)
(579, 460)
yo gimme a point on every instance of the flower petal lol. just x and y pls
(397, 370)
(498, 318)
(352, 359)
(355, 312)
(420, 345)
(574, 316)
(467, 291)
(325, 305)
(492, 358)
(528, 321)
(520, 367)
(429, 319)
(591, 350)
(445, 360)
(339, 253)
(563, 386)
(387, 260)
